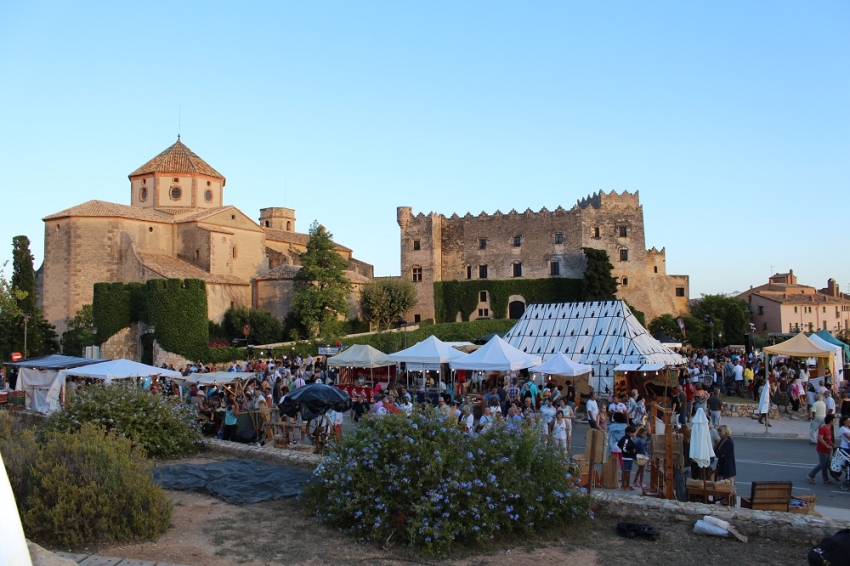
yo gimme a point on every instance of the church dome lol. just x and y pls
(177, 159)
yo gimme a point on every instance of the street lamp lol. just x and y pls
(403, 323)
(710, 321)
(27, 317)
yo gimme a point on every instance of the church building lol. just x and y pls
(176, 226)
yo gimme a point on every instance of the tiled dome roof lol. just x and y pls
(177, 159)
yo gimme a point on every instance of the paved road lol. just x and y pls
(778, 459)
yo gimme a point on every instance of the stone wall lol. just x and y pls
(162, 357)
(123, 344)
(746, 410)
(767, 524)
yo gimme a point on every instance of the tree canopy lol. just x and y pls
(263, 327)
(730, 316)
(321, 287)
(383, 301)
(599, 284)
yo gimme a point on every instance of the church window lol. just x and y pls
(288, 226)
(624, 255)
(176, 180)
(482, 243)
(482, 271)
(559, 238)
(554, 268)
(208, 195)
(624, 231)
(417, 318)
(208, 183)
(596, 232)
(197, 254)
(625, 282)
(235, 252)
(482, 296)
(143, 194)
(417, 245)
(655, 268)
(150, 228)
(233, 217)
(517, 241)
(417, 274)
(680, 291)
(484, 312)
(176, 193)
(517, 269)
(469, 272)
(268, 223)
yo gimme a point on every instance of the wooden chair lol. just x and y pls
(768, 496)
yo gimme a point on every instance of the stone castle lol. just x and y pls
(533, 245)
(176, 226)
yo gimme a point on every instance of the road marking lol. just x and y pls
(777, 464)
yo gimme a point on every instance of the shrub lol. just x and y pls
(422, 481)
(88, 487)
(163, 428)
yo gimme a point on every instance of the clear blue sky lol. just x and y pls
(731, 120)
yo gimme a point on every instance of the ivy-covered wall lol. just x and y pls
(451, 297)
(176, 308)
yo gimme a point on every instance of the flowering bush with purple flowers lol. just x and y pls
(422, 481)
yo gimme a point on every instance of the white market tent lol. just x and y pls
(601, 334)
(119, 369)
(42, 381)
(361, 356)
(837, 368)
(430, 351)
(561, 364)
(215, 377)
(496, 355)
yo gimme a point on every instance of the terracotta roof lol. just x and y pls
(176, 210)
(110, 209)
(284, 271)
(206, 213)
(173, 268)
(294, 238)
(215, 229)
(177, 159)
(802, 299)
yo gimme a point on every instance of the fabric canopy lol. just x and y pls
(561, 364)
(824, 334)
(119, 369)
(496, 355)
(361, 356)
(836, 365)
(54, 361)
(429, 351)
(42, 379)
(218, 377)
(800, 346)
(666, 340)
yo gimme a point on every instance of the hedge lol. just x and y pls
(110, 309)
(177, 309)
(452, 297)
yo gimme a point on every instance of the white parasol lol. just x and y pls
(701, 450)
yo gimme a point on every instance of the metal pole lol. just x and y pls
(27, 316)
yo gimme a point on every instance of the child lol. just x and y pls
(642, 448)
(629, 450)
(559, 433)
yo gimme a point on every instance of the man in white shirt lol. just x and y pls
(739, 377)
(592, 408)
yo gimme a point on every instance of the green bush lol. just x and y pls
(177, 308)
(423, 482)
(111, 309)
(159, 426)
(83, 488)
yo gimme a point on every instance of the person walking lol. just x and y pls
(592, 409)
(824, 450)
(817, 412)
(715, 406)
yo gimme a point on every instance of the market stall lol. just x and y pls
(41, 380)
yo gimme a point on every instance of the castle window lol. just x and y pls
(554, 268)
(559, 238)
(482, 272)
(143, 194)
(417, 245)
(482, 297)
(680, 291)
(267, 224)
(624, 231)
(624, 255)
(175, 193)
(482, 243)
(235, 252)
(176, 180)
(596, 232)
(469, 272)
(150, 228)
(625, 282)
(655, 268)
(417, 274)
(208, 183)
(417, 318)
(288, 226)
(197, 254)
(517, 269)
(517, 241)
(483, 312)
(208, 196)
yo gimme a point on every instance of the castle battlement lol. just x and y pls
(612, 199)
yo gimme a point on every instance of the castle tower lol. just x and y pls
(176, 180)
(278, 218)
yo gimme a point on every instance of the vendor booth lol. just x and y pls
(361, 361)
(430, 354)
(40, 379)
(112, 370)
(801, 346)
(560, 367)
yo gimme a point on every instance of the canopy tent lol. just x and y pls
(666, 340)
(361, 356)
(41, 380)
(429, 351)
(215, 377)
(838, 365)
(561, 364)
(601, 334)
(496, 355)
(825, 335)
(801, 346)
(119, 369)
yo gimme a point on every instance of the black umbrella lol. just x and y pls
(314, 400)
